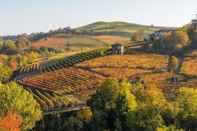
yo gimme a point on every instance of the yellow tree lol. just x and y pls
(14, 98)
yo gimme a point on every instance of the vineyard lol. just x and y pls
(125, 66)
(52, 100)
(68, 82)
(58, 89)
(61, 63)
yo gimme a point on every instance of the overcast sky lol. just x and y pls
(26, 16)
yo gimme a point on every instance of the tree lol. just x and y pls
(187, 101)
(14, 98)
(126, 106)
(23, 42)
(152, 107)
(173, 64)
(137, 36)
(169, 128)
(1, 42)
(171, 42)
(10, 122)
(73, 124)
(113, 106)
(6, 72)
(9, 47)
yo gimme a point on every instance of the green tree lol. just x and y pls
(73, 124)
(14, 98)
(9, 44)
(6, 72)
(1, 42)
(113, 106)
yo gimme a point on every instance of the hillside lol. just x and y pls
(71, 42)
(115, 28)
(112, 39)
(80, 80)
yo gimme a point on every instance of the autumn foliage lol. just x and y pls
(10, 122)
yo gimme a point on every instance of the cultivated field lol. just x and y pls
(77, 81)
(112, 39)
(72, 42)
(125, 66)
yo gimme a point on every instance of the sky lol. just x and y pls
(27, 16)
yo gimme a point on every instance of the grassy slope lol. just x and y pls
(115, 28)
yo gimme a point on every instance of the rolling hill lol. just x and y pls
(115, 28)
(98, 34)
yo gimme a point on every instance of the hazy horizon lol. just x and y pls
(40, 16)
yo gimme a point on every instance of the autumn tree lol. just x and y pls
(152, 107)
(10, 122)
(187, 101)
(137, 36)
(173, 64)
(14, 98)
(23, 41)
(171, 42)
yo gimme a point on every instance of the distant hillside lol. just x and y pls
(110, 39)
(115, 28)
(72, 42)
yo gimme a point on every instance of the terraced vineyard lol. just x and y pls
(67, 81)
(61, 63)
(63, 87)
(52, 100)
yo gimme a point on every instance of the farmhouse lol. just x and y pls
(117, 49)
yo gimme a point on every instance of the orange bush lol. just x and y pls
(11, 122)
(13, 64)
